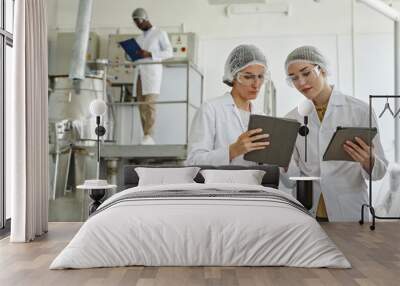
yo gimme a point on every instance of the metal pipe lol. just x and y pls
(396, 89)
(112, 170)
(187, 101)
(337, 61)
(382, 8)
(147, 103)
(98, 147)
(353, 49)
(370, 160)
(2, 127)
(82, 29)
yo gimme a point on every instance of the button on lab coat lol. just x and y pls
(157, 42)
(216, 125)
(343, 184)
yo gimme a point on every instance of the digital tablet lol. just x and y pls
(282, 137)
(335, 150)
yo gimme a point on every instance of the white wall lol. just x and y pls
(307, 17)
(276, 48)
(325, 24)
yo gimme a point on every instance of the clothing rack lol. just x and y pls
(370, 206)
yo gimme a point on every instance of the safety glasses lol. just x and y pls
(138, 20)
(248, 79)
(304, 76)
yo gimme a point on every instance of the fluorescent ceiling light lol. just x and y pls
(382, 8)
(249, 9)
(224, 2)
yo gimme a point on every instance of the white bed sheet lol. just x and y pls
(200, 231)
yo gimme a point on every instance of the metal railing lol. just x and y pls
(168, 63)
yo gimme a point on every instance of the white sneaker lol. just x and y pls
(147, 140)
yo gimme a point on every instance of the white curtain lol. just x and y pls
(26, 124)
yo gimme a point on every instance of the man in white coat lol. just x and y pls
(218, 134)
(156, 47)
(342, 188)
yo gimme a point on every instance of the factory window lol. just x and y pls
(6, 44)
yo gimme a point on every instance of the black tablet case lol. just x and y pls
(282, 137)
(335, 151)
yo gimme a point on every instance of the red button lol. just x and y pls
(183, 49)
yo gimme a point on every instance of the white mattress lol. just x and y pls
(200, 231)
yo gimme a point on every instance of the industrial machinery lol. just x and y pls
(182, 83)
(184, 47)
(60, 54)
(270, 98)
(71, 128)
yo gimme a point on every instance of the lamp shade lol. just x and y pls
(97, 107)
(305, 107)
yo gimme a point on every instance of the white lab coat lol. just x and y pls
(216, 125)
(343, 184)
(157, 42)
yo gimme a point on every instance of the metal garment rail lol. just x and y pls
(370, 206)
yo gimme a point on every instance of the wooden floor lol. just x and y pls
(374, 255)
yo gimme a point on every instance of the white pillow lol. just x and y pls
(248, 177)
(163, 176)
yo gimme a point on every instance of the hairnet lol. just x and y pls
(307, 54)
(139, 13)
(241, 57)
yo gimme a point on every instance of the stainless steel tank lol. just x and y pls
(71, 127)
(70, 102)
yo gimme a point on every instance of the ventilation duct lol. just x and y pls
(82, 29)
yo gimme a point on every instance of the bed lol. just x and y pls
(201, 224)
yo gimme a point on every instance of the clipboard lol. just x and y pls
(282, 137)
(335, 151)
(131, 47)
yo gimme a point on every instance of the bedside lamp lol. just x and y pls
(96, 187)
(304, 185)
(304, 109)
(97, 108)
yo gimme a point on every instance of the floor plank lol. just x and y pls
(374, 255)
